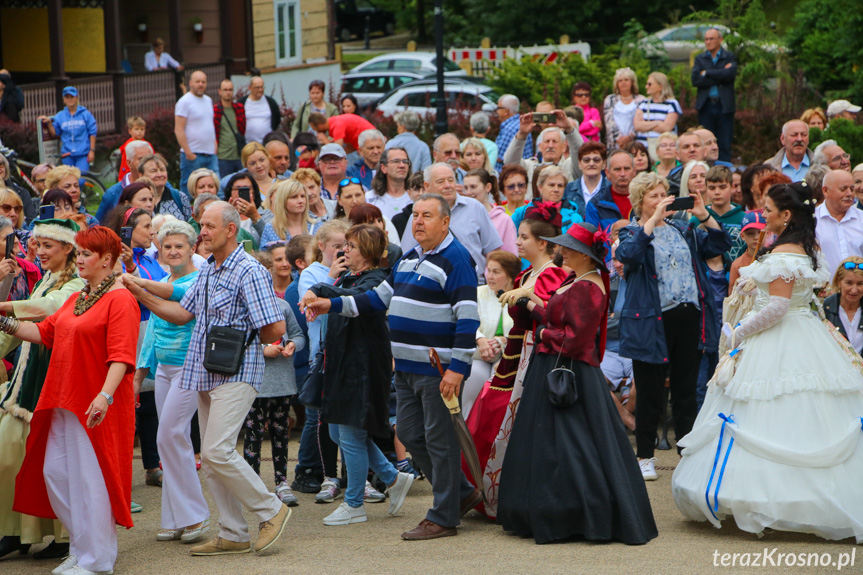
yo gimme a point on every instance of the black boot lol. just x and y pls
(54, 550)
(10, 544)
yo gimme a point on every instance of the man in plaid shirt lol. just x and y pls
(507, 112)
(234, 290)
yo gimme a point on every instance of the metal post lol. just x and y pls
(58, 61)
(441, 126)
(113, 61)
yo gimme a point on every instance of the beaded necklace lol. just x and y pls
(86, 300)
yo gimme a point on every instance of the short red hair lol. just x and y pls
(100, 240)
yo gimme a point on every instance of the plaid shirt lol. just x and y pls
(239, 112)
(241, 297)
(508, 130)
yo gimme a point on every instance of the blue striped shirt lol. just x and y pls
(432, 304)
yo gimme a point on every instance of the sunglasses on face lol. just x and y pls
(852, 265)
(582, 94)
(348, 181)
(513, 187)
(9, 207)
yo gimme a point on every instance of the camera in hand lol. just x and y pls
(340, 255)
(544, 118)
(684, 203)
(46, 212)
(10, 245)
(245, 194)
(126, 236)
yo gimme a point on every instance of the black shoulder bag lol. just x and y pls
(226, 346)
(239, 138)
(312, 393)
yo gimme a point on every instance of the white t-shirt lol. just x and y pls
(387, 204)
(200, 131)
(258, 117)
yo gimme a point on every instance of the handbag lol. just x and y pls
(239, 138)
(562, 391)
(226, 346)
(312, 393)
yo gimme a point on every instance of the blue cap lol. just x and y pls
(753, 220)
(70, 91)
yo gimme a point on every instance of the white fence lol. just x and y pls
(484, 59)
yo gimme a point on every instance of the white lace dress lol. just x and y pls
(789, 423)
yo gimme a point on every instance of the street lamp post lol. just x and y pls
(440, 126)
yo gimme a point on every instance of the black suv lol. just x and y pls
(351, 19)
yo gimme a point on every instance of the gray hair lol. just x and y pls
(479, 122)
(175, 227)
(789, 122)
(136, 144)
(618, 152)
(202, 199)
(370, 134)
(436, 147)
(510, 102)
(689, 135)
(548, 131)
(443, 205)
(815, 176)
(230, 215)
(410, 120)
(818, 156)
(428, 171)
(160, 219)
(7, 223)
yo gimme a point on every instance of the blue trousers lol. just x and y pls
(210, 161)
(360, 453)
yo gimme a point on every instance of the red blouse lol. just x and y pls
(575, 321)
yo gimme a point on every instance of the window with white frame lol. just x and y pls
(287, 20)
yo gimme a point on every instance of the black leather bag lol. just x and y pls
(312, 393)
(226, 346)
(562, 385)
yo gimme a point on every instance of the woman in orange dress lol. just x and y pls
(78, 466)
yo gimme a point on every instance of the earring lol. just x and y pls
(785, 223)
(104, 265)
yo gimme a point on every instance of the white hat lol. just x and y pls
(332, 150)
(56, 229)
(837, 107)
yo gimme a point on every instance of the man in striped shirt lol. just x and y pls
(431, 297)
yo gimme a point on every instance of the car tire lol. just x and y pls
(389, 29)
(345, 35)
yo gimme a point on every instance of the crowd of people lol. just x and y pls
(309, 276)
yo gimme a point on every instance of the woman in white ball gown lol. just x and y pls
(779, 444)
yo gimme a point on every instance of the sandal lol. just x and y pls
(154, 477)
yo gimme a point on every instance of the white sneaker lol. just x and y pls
(286, 496)
(399, 491)
(329, 491)
(372, 495)
(345, 515)
(67, 564)
(78, 570)
(648, 469)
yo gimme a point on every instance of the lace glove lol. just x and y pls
(768, 316)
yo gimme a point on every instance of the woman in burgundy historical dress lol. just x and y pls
(569, 470)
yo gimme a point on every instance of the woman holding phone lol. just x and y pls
(667, 316)
(243, 193)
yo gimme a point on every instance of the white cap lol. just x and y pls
(839, 106)
(332, 150)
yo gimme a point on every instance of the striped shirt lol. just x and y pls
(657, 111)
(432, 304)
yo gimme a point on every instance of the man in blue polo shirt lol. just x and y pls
(76, 128)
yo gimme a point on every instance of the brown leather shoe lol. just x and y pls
(428, 530)
(470, 502)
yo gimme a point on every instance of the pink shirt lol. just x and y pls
(502, 222)
(587, 129)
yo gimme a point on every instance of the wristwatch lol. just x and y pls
(107, 396)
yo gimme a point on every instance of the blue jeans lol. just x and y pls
(360, 453)
(309, 456)
(709, 361)
(201, 161)
(229, 167)
(79, 162)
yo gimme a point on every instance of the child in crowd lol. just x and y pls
(137, 128)
(272, 406)
(753, 223)
(720, 184)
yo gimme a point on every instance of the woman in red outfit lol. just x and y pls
(78, 466)
(492, 415)
(569, 470)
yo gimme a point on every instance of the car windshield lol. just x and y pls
(448, 65)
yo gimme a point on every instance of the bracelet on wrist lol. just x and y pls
(704, 221)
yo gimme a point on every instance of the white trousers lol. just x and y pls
(77, 492)
(183, 502)
(232, 482)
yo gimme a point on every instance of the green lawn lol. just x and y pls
(351, 59)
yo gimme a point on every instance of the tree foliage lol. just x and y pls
(826, 43)
(846, 133)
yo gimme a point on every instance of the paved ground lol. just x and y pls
(308, 547)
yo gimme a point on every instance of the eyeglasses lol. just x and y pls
(399, 161)
(10, 207)
(667, 146)
(844, 156)
(852, 265)
(348, 181)
(513, 187)
(349, 247)
(582, 94)
(591, 160)
(330, 160)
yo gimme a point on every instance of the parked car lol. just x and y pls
(351, 19)
(464, 95)
(679, 42)
(420, 62)
(368, 87)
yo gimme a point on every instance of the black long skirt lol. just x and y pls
(570, 472)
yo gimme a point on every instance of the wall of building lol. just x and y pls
(26, 43)
(155, 14)
(313, 22)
